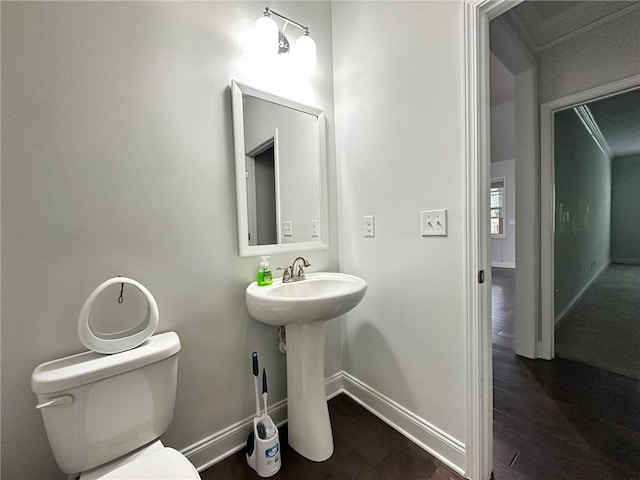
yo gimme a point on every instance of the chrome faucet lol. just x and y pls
(291, 274)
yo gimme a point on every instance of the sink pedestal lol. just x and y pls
(309, 425)
(303, 307)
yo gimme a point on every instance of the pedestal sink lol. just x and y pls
(303, 307)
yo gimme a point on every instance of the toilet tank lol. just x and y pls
(98, 407)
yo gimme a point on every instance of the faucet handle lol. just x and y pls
(286, 275)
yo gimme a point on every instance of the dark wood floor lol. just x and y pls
(556, 420)
(503, 292)
(366, 448)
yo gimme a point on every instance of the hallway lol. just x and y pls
(603, 328)
(558, 419)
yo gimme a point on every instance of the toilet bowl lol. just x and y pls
(103, 414)
(154, 461)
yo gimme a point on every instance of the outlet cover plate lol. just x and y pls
(369, 226)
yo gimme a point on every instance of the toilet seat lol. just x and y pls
(164, 464)
(109, 343)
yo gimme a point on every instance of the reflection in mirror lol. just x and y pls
(280, 173)
(261, 193)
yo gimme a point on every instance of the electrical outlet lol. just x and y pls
(315, 228)
(288, 228)
(433, 222)
(369, 226)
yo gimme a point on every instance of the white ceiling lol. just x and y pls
(618, 118)
(543, 24)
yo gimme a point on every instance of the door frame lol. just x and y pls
(547, 196)
(270, 141)
(479, 379)
(479, 395)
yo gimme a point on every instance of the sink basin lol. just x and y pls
(303, 307)
(320, 296)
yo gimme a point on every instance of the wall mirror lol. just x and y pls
(281, 174)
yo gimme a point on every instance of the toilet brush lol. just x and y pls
(264, 390)
(263, 444)
(254, 358)
(262, 431)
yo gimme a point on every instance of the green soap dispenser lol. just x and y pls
(264, 274)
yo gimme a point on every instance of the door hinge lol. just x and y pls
(481, 276)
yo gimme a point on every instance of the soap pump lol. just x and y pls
(264, 274)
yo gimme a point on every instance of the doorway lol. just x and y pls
(541, 408)
(502, 203)
(262, 193)
(596, 242)
(579, 74)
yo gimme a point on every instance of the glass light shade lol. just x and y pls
(305, 52)
(266, 35)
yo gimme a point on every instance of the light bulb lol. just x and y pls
(305, 53)
(266, 35)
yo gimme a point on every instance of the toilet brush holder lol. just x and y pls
(263, 447)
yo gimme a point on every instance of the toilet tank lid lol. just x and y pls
(69, 372)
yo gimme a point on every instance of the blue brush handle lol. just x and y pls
(255, 364)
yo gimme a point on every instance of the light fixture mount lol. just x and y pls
(283, 42)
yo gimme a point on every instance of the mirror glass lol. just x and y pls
(280, 162)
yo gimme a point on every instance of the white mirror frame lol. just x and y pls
(244, 249)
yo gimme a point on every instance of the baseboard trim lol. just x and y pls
(503, 264)
(215, 448)
(562, 316)
(429, 437)
(226, 442)
(626, 261)
(334, 385)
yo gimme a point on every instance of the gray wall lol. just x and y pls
(582, 210)
(503, 131)
(625, 209)
(399, 144)
(503, 153)
(513, 54)
(117, 158)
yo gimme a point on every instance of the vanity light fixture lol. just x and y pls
(271, 39)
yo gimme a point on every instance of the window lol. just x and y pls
(498, 208)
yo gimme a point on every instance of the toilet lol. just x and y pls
(104, 414)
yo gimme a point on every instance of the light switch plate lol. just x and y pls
(369, 226)
(288, 228)
(433, 222)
